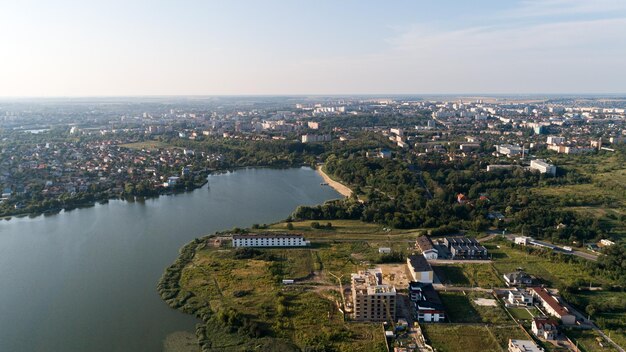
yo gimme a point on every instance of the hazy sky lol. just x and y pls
(114, 47)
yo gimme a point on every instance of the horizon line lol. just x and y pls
(8, 97)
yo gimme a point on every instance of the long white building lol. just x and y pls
(269, 240)
(543, 167)
(555, 140)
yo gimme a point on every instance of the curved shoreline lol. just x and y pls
(337, 186)
(104, 199)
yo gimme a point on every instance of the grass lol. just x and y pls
(218, 279)
(460, 338)
(481, 275)
(613, 321)
(552, 273)
(147, 145)
(346, 229)
(604, 198)
(461, 308)
(522, 313)
(502, 334)
(556, 273)
(589, 340)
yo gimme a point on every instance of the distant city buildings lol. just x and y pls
(555, 140)
(316, 138)
(511, 150)
(543, 167)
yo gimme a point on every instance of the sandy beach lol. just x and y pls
(339, 187)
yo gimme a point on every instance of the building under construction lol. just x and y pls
(372, 300)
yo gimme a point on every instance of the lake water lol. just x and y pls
(85, 280)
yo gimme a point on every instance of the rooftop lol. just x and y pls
(266, 235)
(551, 301)
(419, 263)
(424, 243)
(525, 345)
(370, 282)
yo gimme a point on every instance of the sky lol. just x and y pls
(313, 47)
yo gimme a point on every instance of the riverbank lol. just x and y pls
(105, 196)
(337, 186)
(238, 296)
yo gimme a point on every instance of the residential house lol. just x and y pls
(519, 298)
(545, 328)
(552, 306)
(517, 278)
(425, 245)
(426, 302)
(420, 269)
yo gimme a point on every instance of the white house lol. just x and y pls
(606, 242)
(544, 328)
(543, 167)
(420, 269)
(523, 240)
(523, 346)
(426, 246)
(519, 297)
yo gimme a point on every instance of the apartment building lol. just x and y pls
(465, 248)
(373, 301)
(543, 167)
(269, 240)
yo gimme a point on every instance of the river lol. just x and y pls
(85, 280)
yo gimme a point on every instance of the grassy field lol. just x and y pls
(251, 287)
(460, 338)
(522, 313)
(468, 338)
(469, 275)
(503, 333)
(613, 321)
(147, 145)
(552, 273)
(348, 229)
(589, 340)
(461, 308)
(603, 198)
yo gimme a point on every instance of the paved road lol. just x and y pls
(441, 287)
(617, 347)
(584, 255)
(458, 261)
